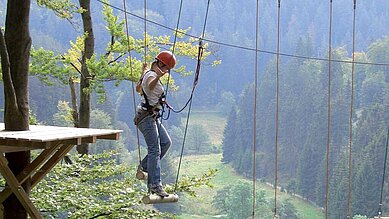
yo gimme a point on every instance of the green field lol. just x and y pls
(196, 165)
(201, 206)
(212, 122)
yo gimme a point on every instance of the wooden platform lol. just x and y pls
(43, 137)
(55, 143)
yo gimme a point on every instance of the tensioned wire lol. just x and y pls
(383, 174)
(199, 55)
(244, 47)
(277, 108)
(255, 106)
(132, 83)
(328, 110)
(351, 117)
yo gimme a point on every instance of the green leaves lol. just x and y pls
(188, 184)
(92, 185)
(46, 66)
(62, 8)
(97, 185)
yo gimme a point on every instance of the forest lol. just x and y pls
(302, 116)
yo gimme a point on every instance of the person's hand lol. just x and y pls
(159, 72)
(145, 68)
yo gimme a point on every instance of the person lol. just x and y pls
(148, 122)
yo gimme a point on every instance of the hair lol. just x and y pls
(154, 63)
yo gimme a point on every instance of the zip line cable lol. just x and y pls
(199, 57)
(174, 47)
(173, 52)
(277, 109)
(145, 31)
(351, 117)
(132, 83)
(328, 110)
(383, 174)
(200, 53)
(255, 105)
(242, 47)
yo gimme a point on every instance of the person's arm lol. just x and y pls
(152, 81)
(139, 83)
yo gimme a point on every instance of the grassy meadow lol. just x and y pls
(201, 206)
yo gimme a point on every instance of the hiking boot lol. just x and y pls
(158, 190)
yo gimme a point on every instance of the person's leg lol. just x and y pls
(164, 138)
(143, 163)
(165, 143)
(149, 129)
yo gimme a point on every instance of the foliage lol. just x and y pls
(302, 129)
(96, 185)
(64, 115)
(236, 201)
(229, 137)
(287, 210)
(62, 8)
(32, 118)
(187, 184)
(227, 100)
(113, 65)
(198, 140)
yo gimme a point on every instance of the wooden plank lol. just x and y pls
(38, 176)
(114, 136)
(17, 189)
(8, 149)
(53, 133)
(30, 169)
(45, 136)
(20, 145)
(1, 211)
(57, 156)
(81, 140)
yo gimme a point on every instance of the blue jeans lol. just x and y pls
(158, 142)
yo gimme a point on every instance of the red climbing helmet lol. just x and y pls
(167, 58)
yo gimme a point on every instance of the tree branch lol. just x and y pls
(7, 80)
(121, 55)
(74, 66)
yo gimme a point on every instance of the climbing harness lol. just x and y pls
(146, 109)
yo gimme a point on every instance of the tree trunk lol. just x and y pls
(15, 53)
(74, 103)
(84, 112)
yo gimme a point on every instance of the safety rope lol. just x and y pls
(255, 106)
(199, 58)
(195, 81)
(383, 174)
(277, 109)
(131, 73)
(328, 110)
(145, 32)
(351, 117)
(243, 47)
(173, 52)
(200, 52)
(174, 47)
